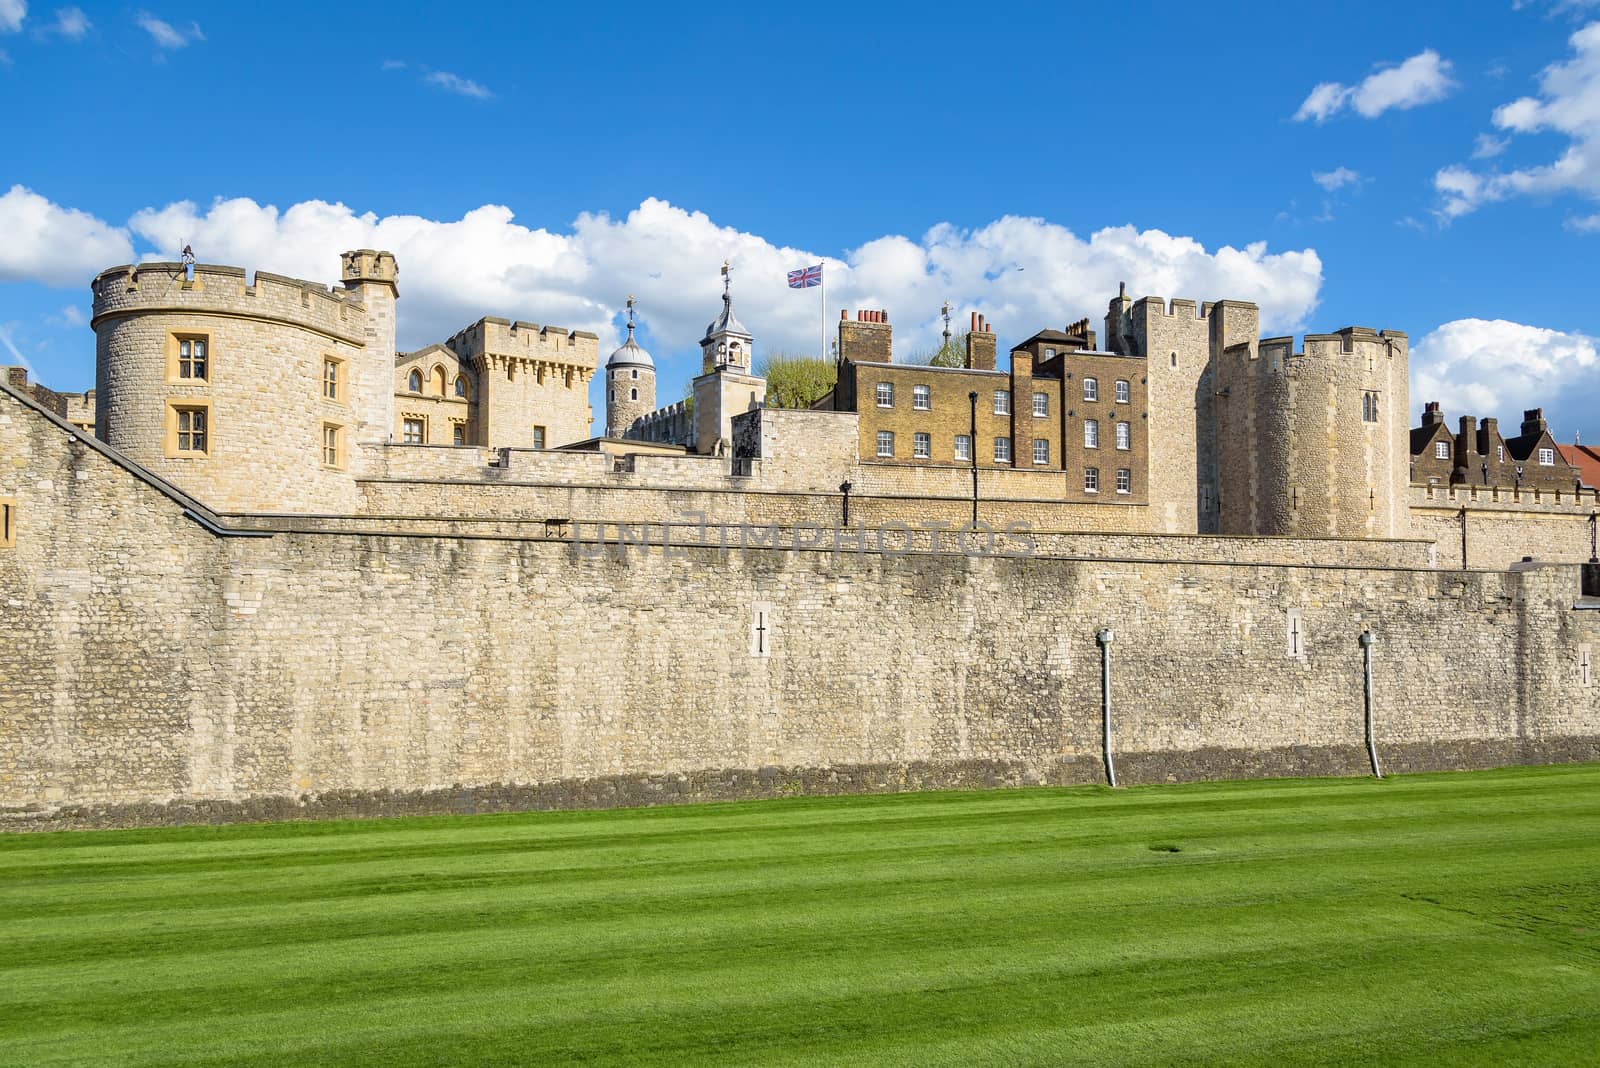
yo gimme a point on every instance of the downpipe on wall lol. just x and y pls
(1366, 641)
(1104, 637)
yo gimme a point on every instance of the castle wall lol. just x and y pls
(144, 659)
(1503, 525)
(529, 376)
(262, 396)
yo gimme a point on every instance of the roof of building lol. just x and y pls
(629, 354)
(1586, 459)
(727, 322)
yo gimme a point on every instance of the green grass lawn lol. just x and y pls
(1444, 918)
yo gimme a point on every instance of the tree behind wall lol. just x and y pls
(796, 381)
(952, 355)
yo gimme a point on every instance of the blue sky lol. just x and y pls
(1437, 173)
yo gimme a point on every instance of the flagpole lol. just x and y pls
(823, 352)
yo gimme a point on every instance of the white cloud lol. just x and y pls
(454, 83)
(1023, 273)
(70, 23)
(1337, 178)
(1422, 79)
(1493, 367)
(54, 245)
(1584, 224)
(1487, 146)
(165, 34)
(1568, 103)
(12, 12)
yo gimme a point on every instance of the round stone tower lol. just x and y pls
(251, 394)
(630, 384)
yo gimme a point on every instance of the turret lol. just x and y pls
(630, 384)
(372, 280)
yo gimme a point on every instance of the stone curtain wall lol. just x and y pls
(145, 660)
(1503, 526)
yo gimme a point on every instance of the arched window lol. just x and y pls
(461, 386)
(438, 380)
(414, 383)
(633, 394)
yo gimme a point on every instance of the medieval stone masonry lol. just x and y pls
(272, 567)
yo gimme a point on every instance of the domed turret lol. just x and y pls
(630, 383)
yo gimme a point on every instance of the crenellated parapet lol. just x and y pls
(215, 289)
(494, 343)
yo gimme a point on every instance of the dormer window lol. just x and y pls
(1441, 450)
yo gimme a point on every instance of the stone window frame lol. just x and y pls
(460, 387)
(1124, 436)
(440, 376)
(1369, 406)
(1124, 480)
(633, 372)
(1041, 450)
(539, 436)
(458, 432)
(1002, 450)
(1547, 457)
(1091, 433)
(921, 398)
(175, 340)
(8, 522)
(341, 386)
(963, 448)
(633, 393)
(421, 422)
(1123, 391)
(335, 443)
(884, 393)
(1002, 402)
(1091, 480)
(885, 444)
(922, 445)
(176, 406)
(414, 381)
(1091, 388)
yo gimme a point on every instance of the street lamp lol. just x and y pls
(972, 450)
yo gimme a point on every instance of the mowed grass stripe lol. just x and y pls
(1358, 919)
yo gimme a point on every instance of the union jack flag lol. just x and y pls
(806, 278)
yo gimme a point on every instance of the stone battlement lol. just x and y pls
(516, 338)
(225, 290)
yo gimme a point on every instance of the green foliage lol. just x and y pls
(1433, 919)
(952, 355)
(796, 381)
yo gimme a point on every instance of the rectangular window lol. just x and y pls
(1369, 407)
(1002, 450)
(8, 522)
(921, 398)
(1091, 480)
(1041, 451)
(1091, 433)
(538, 437)
(1500, 451)
(192, 359)
(1091, 389)
(1041, 404)
(1124, 480)
(330, 379)
(193, 434)
(921, 446)
(458, 435)
(963, 447)
(886, 394)
(1441, 449)
(415, 431)
(1124, 391)
(885, 443)
(1547, 457)
(332, 452)
(1124, 436)
(1002, 402)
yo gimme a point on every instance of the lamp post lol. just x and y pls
(972, 440)
(844, 488)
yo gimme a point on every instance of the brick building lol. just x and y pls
(1477, 454)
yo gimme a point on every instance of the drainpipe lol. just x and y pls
(844, 488)
(1463, 537)
(1104, 637)
(1366, 665)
